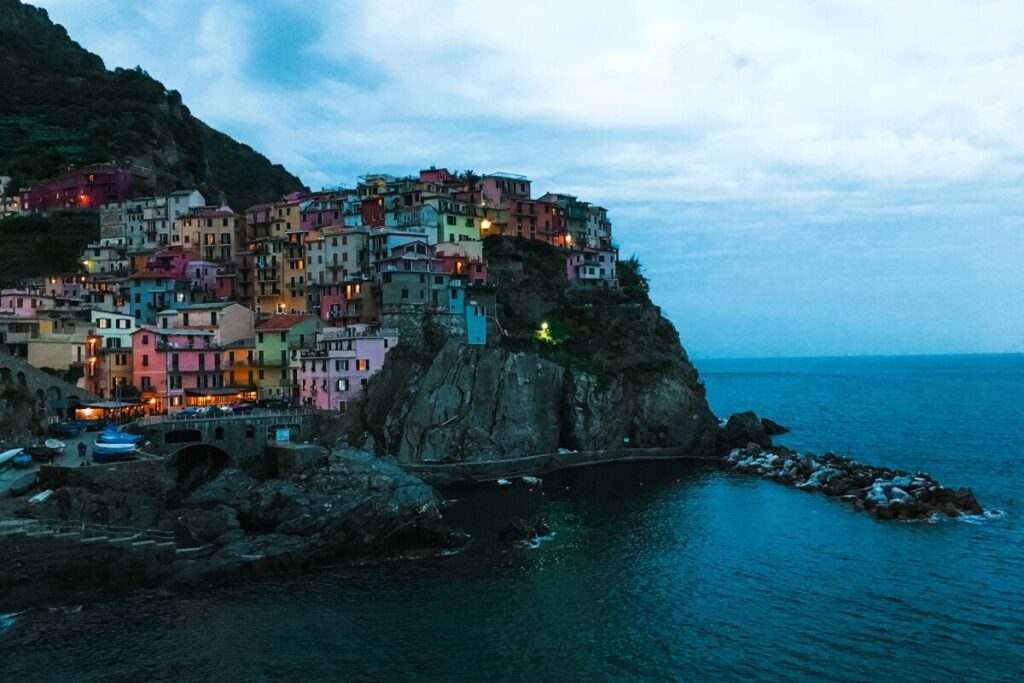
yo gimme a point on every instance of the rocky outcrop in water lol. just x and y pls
(613, 374)
(882, 492)
(158, 523)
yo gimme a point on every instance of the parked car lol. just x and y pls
(243, 406)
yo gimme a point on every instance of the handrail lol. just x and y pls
(161, 419)
(92, 527)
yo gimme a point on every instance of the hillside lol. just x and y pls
(34, 246)
(61, 105)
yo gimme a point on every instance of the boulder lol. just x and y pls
(773, 428)
(742, 429)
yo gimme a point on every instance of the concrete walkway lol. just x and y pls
(10, 474)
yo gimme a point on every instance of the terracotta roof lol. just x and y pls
(282, 321)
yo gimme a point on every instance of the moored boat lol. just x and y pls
(23, 459)
(56, 446)
(114, 437)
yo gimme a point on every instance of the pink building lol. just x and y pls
(171, 261)
(435, 175)
(336, 370)
(174, 367)
(90, 187)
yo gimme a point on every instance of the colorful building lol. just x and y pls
(89, 187)
(336, 367)
(278, 341)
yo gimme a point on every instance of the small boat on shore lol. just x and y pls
(113, 452)
(55, 445)
(65, 430)
(503, 483)
(112, 436)
(7, 456)
(23, 484)
(22, 460)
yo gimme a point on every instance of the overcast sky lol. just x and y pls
(799, 178)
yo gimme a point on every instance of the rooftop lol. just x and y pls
(282, 321)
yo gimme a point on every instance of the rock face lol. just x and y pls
(477, 403)
(616, 376)
(882, 492)
(353, 506)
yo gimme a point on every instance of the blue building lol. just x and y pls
(476, 325)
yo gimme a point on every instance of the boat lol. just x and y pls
(40, 497)
(113, 452)
(65, 430)
(23, 459)
(55, 445)
(90, 425)
(23, 484)
(503, 482)
(7, 456)
(115, 437)
(116, 447)
(39, 451)
(532, 481)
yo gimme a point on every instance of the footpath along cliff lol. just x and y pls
(564, 368)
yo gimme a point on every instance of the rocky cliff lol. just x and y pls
(608, 372)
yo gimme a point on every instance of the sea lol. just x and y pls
(653, 572)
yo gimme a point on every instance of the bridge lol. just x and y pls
(242, 438)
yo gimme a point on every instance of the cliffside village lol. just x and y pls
(182, 305)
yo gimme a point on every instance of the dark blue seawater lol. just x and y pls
(655, 572)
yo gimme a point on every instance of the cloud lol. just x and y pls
(766, 159)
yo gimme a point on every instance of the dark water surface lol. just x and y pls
(655, 572)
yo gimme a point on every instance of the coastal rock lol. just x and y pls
(773, 428)
(883, 493)
(616, 376)
(741, 429)
(523, 531)
(352, 507)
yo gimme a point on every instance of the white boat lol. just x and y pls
(56, 446)
(116, 447)
(7, 456)
(503, 482)
(40, 497)
(533, 481)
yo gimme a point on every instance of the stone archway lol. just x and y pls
(198, 464)
(5, 376)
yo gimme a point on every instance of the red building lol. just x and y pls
(90, 187)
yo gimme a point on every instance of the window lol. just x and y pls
(342, 385)
(405, 293)
(145, 360)
(284, 336)
(260, 336)
(145, 383)
(103, 323)
(145, 339)
(363, 365)
(450, 220)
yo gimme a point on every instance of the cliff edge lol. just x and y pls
(564, 368)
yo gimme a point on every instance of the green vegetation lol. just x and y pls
(33, 246)
(61, 106)
(604, 332)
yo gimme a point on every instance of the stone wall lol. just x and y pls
(45, 564)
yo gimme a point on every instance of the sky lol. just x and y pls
(798, 178)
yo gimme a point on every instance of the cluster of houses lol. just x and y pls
(184, 304)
